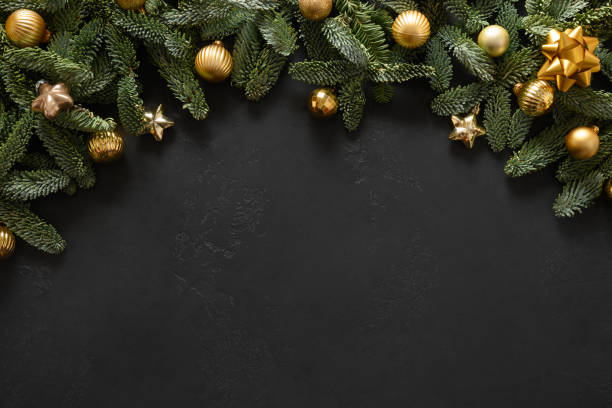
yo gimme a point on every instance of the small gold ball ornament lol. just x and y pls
(130, 4)
(582, 142)
(608, 188)
(411, 29)
(535, 97)
(323, 102)
(494, 40)
(105, 147)
(315, 10)
(214, 63)
(25, 28)
(7, 242)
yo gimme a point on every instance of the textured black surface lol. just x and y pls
(263, 258)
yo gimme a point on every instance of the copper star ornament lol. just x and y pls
(52, 99)
(467, 129)
(570, 58)
(156, 122)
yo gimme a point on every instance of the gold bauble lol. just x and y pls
(535, 97)
(7, 242)
(105, 147)
(411, 29)
(323, 102)
(214, 63)
(130, 4)
(582, 142)
(315, 10)
(25, 28)
(494, 40)
(608, 188)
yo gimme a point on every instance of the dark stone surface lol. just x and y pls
(263, 258)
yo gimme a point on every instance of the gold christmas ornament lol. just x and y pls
(214, 63)
(570, 58)
(494, 40)
(323, 102)
(582, 142)
(608, 188)
(131, 4)
(467, 129)
(7, 242)
(156, 123)
(105, 147)
(535, 97)
(52, 99)
(315, 10)
(25, 28)
(411, 29)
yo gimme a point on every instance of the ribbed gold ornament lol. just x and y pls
(535, 97)
(315, 10)
(582, 142)
(7, 242)
(494, 40)
(25, 28)
(214, 63)
(105, 147)
(130, 4)
(323, 102)
(411, 29)
(608, 188)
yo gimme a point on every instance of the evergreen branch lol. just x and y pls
(247, 47)
(279, 34)
(578, 195)
(497, 118)
(80, 119)
(398, 72)
(322, 72)
(265, 74)
(520, 124)
(587, 101)
(383, 92)
(32, 184)
(438, 58)
(460, 99)
(469, 54)
(352, 100)
(14, 147)
(572, 169)
(341, 37)
(130, 106)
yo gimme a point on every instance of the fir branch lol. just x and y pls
(352, 100)
(572, 169)
(14, 147)
(469, 54)
(510, 19)
(317, 46)
(518, 66)
(587, 101)
(438, 58)
(383, 92)
(247, 47)
(121, 51)
(596, 22)
(32, 184)
(460, 99)
(578, 195)
(605, 58)
(279, 34)
(81, 119)
(497, 118)
(398, 72)
(265, 74)
(341, 37)
(130, 106)
(520, 124)
(323, 72)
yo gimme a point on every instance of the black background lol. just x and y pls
(263, 258)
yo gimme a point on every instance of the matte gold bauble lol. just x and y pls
(494, 40)
(535, 97)
(214, 63)
(105, 147)
(315, 10)
(25, 28)
(608, 188)
(323, 102)
(130, 4)
(411, 29)
(582, 142)
(7, 242)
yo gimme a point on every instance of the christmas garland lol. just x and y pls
(57, 57)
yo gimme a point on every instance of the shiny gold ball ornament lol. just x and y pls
(608, 188)
(7, 242)
(535, 97)
(105, 147)
(315, 10)
(494, 40)
(411, 29)
(25, 28)
(131, 4)
(582, 142)
(214, 62)
(323, 102)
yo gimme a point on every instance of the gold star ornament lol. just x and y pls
(467, 128)
(570, 58)
(52, 99)
(156, 123)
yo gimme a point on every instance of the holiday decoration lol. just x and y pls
(104, 147)
(156, 123)
(570, 58)
(131, 4)
(52, 99)
(214, 63)
(411, 29)
(583, 142)
(608, 188)
(323, 102)
(25, 28)
(7, 242)
(467, 128)
(535, 97)
(315, 10)
(494, 40)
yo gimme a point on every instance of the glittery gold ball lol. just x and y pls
(608, 188)
(494, 40)
(323, 102)
(582, 142)
(105, 147)
(315, 10)
(535, 97)
(7, 242)
(411, 29)
(214, 63)
(130, 4)
(25, 28)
